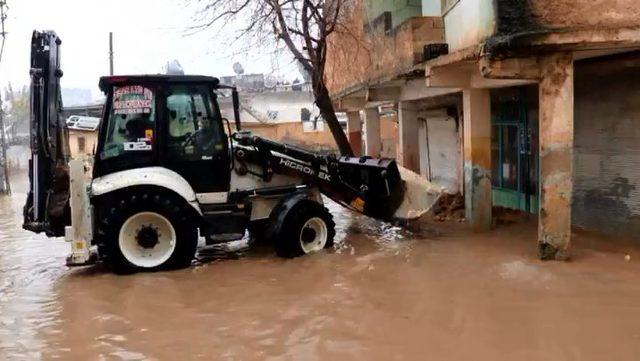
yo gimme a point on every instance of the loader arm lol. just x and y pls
(370, 186)
(47, 206)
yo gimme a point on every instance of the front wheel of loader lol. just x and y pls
(308, 227)
(146, 231)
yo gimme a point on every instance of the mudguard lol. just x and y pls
(152, 176)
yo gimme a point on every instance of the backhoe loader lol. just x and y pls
(168, 169)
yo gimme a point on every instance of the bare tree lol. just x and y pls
(302, 25)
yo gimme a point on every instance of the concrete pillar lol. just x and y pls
(354, 129)
(556, 155)
(408, 155)
(477, 157)
(372, 143)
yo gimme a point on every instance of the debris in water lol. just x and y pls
(419, 198)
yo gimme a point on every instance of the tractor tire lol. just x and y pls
(146, 230)
(308, 227)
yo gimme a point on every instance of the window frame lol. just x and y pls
(105, 130)
(217, 122)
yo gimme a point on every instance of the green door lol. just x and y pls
(514, 155)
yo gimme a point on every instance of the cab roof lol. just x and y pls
(108, 81)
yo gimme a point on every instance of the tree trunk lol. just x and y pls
(324, 103)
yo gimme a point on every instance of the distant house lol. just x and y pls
(83, 135)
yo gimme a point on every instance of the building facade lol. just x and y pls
(530, 105)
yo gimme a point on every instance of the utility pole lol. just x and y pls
(110, 53)
(6, 187)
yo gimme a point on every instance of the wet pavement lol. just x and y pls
(383, 293)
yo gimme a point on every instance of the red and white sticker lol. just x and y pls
(132, 99)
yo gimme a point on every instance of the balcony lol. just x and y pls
(375, 52)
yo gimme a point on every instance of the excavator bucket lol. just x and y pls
(47, 207)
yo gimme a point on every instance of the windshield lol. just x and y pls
(131, 121)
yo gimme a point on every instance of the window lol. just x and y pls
(194, 124)
(81, 145)
(131, 121)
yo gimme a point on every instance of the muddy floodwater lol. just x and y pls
(383, 293)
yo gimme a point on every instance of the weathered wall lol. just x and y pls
(607, 146)
(470, 22)
(293, 133)
(389, 136)
(363, 52)
(90, 141)
(562, 14)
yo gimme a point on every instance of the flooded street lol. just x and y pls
(382, 294)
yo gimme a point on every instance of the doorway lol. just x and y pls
(514, 148)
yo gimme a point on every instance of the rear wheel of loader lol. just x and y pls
(308, 227)
(146, 231)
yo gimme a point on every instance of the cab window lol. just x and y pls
(131, 121)
(194, 124)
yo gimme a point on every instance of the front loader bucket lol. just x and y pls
(377, 183)
(385, 190)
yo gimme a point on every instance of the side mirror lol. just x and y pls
(236, 107)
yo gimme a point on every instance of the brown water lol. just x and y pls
(382, 294)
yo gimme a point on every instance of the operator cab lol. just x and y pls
(167, 121)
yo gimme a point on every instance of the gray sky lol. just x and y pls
(147, 34)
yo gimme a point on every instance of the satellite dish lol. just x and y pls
(238, 69)
(173, 67)
(270, 81)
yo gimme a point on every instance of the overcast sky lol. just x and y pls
(147, 34)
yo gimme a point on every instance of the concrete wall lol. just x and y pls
(563, 14)
(322, 140)
(389, 136)
(469, 22)
(431, 7)
(400, 10)
(607, 145)
(272, 107)
(76, 138)
(283, 106)
(294, 133)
